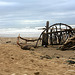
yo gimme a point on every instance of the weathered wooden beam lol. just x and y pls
(51, 41)
(45, 35)
(70, 42)
(61, 24)
(58, 31)
(60, 38)
(27, 39)
(44, 39)
(47, 27)
(55, 38)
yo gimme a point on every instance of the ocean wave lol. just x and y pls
(25, 32)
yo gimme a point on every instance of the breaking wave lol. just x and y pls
(25, 32)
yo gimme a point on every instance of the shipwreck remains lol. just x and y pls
(69, 44)
(55, 34)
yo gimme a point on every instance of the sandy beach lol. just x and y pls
(37, 61)
(37, 37)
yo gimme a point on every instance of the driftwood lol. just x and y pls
(22, 47)
(54, 35)
(69, 44)
(26, 39)
(58, 35)
(25, 46)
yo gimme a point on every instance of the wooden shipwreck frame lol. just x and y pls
(55, 34)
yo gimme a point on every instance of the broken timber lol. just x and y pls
(69, 44)
(55, 34)
(45, 35)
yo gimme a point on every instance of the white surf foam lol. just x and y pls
(25, 32)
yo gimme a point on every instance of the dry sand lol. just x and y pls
(40, 61)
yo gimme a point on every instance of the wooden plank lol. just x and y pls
(70, 42)
(44, 39)
(47, 27)
(58, 31)
(60, 38)
(51, 42)
(45, 35)
(28, 40)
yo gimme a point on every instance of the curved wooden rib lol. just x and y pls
(61, 24)
(18, 40)
(26, 40)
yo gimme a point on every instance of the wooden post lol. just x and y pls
(51, 42)
(60, 38)
(45, 35)
(44, 40)
(56, 34)
(47, 27)
(55, 38)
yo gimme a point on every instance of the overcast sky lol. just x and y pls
(17, 13)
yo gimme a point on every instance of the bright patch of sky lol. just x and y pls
(2, 3)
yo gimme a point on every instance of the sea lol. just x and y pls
(24, 32)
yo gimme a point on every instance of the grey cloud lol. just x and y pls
(52, 10)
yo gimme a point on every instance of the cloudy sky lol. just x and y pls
(23, 13)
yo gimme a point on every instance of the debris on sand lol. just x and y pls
(71, 61)
(27, 47)
(69, 44)
(8, 42)
(46, 56)
(36, 73)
